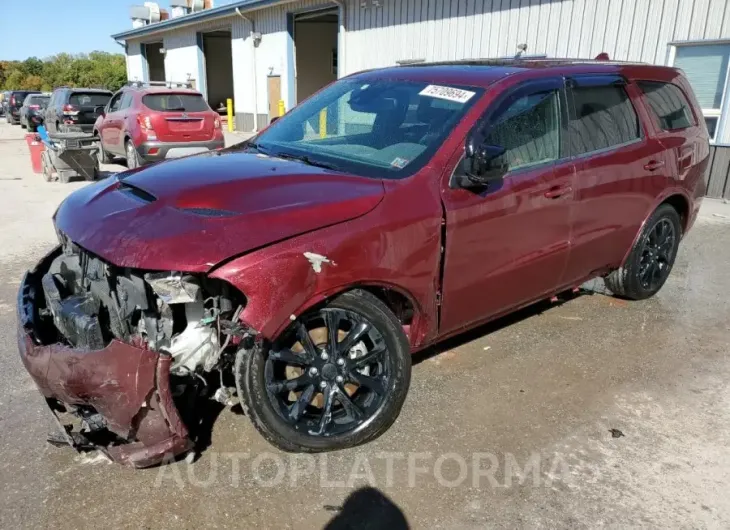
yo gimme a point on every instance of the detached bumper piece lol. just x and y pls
(121, 388)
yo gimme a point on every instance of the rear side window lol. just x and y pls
(175, 102)
(604, 118)
(668, 104)
(38, 100)
(88, 99)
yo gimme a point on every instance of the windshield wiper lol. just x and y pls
(306, 160)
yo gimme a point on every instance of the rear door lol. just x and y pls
(619, 170)
(180, 117)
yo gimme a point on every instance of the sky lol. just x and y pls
(71, 26)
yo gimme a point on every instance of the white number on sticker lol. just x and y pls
(448, 93)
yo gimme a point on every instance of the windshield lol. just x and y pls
(384, 129)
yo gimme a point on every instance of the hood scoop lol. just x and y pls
(137, 193)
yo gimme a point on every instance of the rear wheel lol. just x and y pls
(133, 160)
(336, 378)
(651, 258)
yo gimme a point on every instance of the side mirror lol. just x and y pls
(481, 164)
(100, 110)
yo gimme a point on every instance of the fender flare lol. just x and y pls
(660, 199)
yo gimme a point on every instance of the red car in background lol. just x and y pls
(145, 123)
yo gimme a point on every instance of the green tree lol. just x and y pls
(97, 69)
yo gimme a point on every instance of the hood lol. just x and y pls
(190, 214)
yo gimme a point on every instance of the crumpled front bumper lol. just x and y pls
(128, 386)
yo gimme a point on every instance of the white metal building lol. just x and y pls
(285, 50)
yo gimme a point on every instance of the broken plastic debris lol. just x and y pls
(316, 260)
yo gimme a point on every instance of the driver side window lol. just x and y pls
(116, 102)
(528, 128)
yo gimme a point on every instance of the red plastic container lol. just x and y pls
(36, 150)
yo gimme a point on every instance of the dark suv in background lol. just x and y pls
(15, 100)
(75, 108)
(32, 111)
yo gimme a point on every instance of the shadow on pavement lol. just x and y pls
(368, 509)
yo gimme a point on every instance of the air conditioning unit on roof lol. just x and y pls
(181, 8)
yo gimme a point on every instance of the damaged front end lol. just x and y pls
(125, 354)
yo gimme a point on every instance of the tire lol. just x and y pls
(133, 160)
(392, 370)
(630, 280)
(46, 168)
(102, 155)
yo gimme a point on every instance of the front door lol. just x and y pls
(507, 244)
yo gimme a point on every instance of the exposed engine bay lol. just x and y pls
(187, 317)
(127, 358)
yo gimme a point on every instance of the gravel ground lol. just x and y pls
(593, 412)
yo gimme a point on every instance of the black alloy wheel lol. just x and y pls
(651, 259)
(337, 377)
(657, 255)
(336, 387)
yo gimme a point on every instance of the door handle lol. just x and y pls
(556, 192)
(654, 165)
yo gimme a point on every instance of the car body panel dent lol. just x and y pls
(398, 247)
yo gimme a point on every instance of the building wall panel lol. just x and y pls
(135, 61)
(437, 30)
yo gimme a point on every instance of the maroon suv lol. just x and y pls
(146, 123)
(392, 209)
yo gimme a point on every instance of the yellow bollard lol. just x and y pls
(282, 108)
(229, 104)
(323, 123)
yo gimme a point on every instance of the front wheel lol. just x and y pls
(651, 259)
(336, 378)
(101, 154)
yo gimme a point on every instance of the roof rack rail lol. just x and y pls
(166, 84)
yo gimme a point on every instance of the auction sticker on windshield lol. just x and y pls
(448, 93)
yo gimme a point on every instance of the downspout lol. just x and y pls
(255, 83)
(343, 34)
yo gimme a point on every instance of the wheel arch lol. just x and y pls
(677, 199)
(680, 203)
(402, 303)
